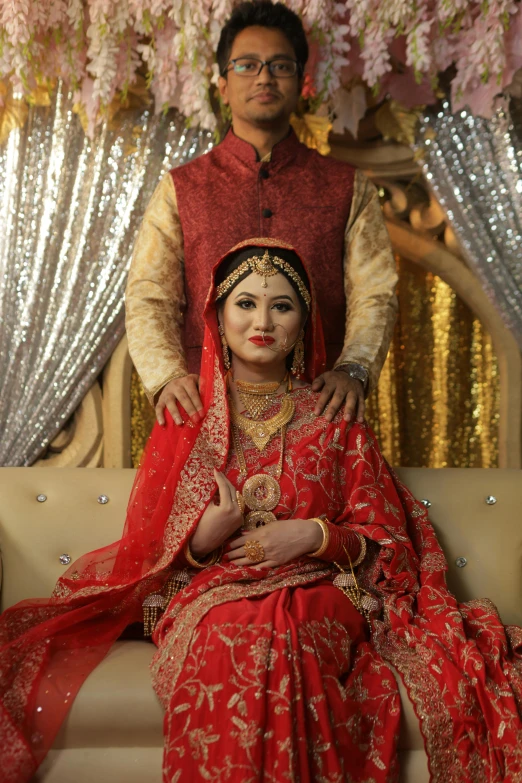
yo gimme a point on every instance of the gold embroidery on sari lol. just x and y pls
(195, 487)
(169, 660)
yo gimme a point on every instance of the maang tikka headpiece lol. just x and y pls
(264, 266)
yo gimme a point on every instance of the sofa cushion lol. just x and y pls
(489, 537)
(33, 535)
(104, 765)
(116, 705)
(71, 521)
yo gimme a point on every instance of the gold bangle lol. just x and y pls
(362, 553)
(212, 559)
(326, 538)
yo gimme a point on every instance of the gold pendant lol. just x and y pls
(261, 492)
(261, 435)
(261, 432)
(257, 519)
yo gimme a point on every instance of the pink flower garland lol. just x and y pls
(392, 46)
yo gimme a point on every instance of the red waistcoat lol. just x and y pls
(300, 196)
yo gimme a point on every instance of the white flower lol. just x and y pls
(98, 45)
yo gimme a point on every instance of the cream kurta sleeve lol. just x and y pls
(370, 278)
(155, 294)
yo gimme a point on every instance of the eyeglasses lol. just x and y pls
(279, 68)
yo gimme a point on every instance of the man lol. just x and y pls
(261, 181)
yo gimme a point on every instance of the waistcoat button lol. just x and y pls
(264, 173)
(267, 213)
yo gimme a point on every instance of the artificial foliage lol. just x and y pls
(361, 50)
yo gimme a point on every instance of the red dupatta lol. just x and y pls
(463, 670)
(48, 647)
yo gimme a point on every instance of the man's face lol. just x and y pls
(262, 100)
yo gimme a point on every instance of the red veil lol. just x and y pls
(463, 670)
(49, 646)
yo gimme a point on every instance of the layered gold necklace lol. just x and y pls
(257, 397)
(261, 492)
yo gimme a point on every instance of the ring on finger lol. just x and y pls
(254, 551)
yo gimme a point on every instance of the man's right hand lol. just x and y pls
(185, 391)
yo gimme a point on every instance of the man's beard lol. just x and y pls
(267, 115)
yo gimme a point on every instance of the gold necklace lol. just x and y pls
(257, 397)
(261, 492)
(262, 431)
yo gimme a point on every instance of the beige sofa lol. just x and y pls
(113, 733)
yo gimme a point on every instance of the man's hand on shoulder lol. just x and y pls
(184, 391)
(338, 388)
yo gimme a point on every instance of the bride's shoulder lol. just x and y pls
(305, 401)
(302, 394)
(306, 426)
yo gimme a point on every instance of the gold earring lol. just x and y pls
(298, 365)
(226, 350)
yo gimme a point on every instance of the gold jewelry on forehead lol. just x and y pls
(264, 266)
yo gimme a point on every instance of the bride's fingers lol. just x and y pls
(236, 543)
(223, 490)
(235, 549)
(227, 491)
(231, 489)
(244, 561)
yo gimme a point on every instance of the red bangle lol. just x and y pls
(342, 540)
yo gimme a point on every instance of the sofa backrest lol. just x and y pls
(72, 521)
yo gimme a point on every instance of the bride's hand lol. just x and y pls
(218, 522)
(282, 542)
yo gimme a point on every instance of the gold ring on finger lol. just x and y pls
(254, 551)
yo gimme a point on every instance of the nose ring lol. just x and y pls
(284, 344)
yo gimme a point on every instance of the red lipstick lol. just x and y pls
(258, 340)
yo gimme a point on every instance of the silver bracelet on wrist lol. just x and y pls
(355, 371)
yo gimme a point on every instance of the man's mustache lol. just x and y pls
(266, 92)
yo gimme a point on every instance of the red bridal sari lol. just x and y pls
(273, 675)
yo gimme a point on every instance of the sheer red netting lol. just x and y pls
(49, 646)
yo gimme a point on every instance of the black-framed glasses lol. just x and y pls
(279, 67)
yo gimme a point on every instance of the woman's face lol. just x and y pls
(251, 310)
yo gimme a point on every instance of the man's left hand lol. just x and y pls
(337, 389)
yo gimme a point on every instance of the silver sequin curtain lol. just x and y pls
(70, 209)
(474, 167)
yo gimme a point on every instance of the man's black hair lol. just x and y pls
(263, 13)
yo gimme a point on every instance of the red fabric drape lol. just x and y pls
(292, 653)
(48, 647)
(463, 670)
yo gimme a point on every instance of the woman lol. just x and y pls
(243, 530)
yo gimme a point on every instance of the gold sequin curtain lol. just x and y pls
(437, 403)
(142, 418)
